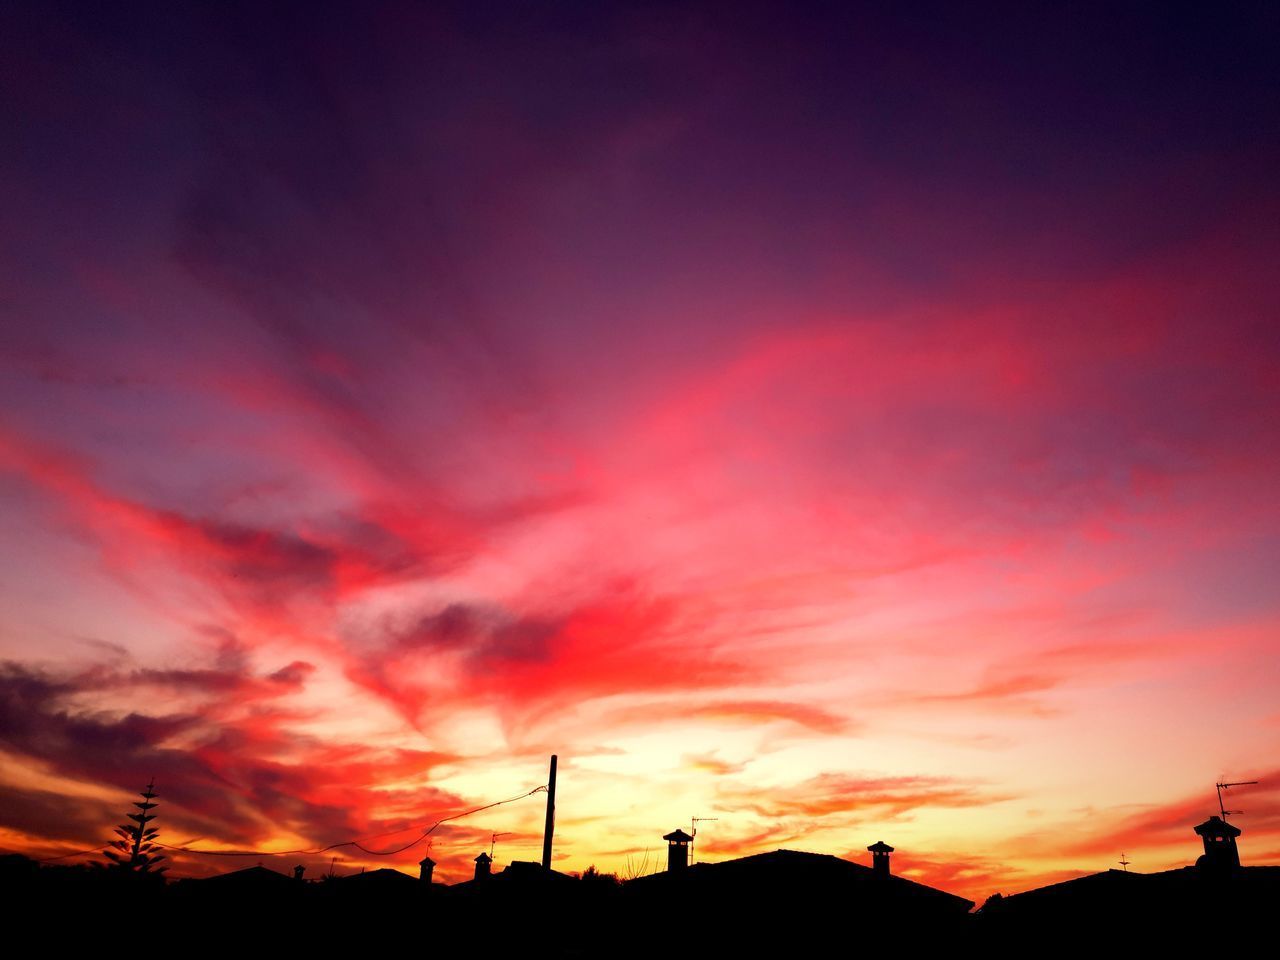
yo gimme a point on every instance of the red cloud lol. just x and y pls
(1168, 826)
(855, 797)
(749, 712)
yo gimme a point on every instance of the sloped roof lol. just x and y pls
(1182, 890)
(798, 875)
(249, 876)
(1105, 884)
(384, 877)
(522, 874)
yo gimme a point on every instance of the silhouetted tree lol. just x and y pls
(135, 851)
(641, 867)
(594, 877)
(992, 903)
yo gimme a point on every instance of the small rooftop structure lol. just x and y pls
(677, 850)
(880, 857)
(1220, 850)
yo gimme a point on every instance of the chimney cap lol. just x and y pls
(484, 858)
(425, 861)
(1215, 826)
(880, 847)
(678, 836)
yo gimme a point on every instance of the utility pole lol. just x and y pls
(549, 830)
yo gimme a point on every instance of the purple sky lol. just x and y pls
(848, 422)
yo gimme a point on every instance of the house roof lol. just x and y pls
(795, 874)
(383, 877)
(249, 876)
(1105, 884)
(519, 874)
(1165, 893)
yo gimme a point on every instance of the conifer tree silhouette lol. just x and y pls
(135, 851)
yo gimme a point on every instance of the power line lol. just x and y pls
(356, 843)
(74, 853)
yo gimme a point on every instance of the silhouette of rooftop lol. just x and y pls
(256, 876)
(384, 877)
(799, 875)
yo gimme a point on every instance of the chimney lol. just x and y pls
(482, 866)
(298, 871)
(880, 858)
(1220, 851)
(677, 850)
(426, 866)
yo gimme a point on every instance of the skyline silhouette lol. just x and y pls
(782, 900)
(138, 851)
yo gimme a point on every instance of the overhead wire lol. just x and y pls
(74, 853)
(355, 843)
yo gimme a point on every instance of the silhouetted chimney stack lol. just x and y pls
(426, 867)
(1220, 850)
(298, 871)
(880, 858)
(483, 863)
(677, 850)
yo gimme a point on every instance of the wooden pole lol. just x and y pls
(549, 830)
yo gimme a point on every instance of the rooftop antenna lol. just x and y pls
(1226, 786)
(1124, 863)
(493, 841)
(693, 832)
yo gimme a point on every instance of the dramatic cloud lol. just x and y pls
(846, 424)
(857, 797)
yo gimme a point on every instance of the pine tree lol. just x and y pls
(136, 851)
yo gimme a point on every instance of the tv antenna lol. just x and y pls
(1226, 786)
(493, 842)
(693, 832)
(1124, 863)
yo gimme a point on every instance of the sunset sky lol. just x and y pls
(849, 422)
